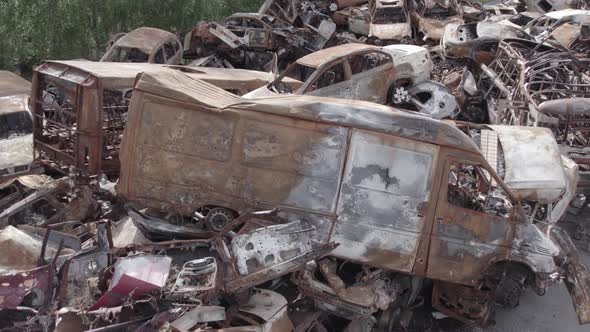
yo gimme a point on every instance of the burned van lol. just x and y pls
(400, 193)
(80, 109)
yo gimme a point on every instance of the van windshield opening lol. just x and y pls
(15, 124)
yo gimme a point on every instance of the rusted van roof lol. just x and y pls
(348, 113)
(122, 74)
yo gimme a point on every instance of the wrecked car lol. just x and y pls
(16, 127)
(431, 17)
(248, 40)
(370, 178)
(545, 6)
(145, 44)
(281, 29)
(287, 10)
(355, 19)
(477, 41)
(349, 71)
(81, 109)
(568, 27)
(16, 137)
(389, 20)
(250, 30)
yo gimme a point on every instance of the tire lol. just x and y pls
(508, 293)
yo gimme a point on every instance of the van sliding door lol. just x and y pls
(387, 182)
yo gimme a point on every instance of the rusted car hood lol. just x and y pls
(534, 170)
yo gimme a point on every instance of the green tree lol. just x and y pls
(37, 30)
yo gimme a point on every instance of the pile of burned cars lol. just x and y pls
(340, 165)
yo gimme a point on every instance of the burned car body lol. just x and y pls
(242, 30)
(81, 109)
(431, 16)
(144, 44)
(16, 127)
(16, 137)
(369, 202)
(567, 27)
(545, 6)
(248, 40)
(349, 71)
(477, 41)
(389, 20)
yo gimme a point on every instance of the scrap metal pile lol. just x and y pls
(216, 196)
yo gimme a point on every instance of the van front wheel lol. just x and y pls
(509, 292)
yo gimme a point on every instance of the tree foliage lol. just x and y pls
(36, 30)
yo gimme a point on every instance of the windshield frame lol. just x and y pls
(23, 128)
(116, 49)
(274, 85)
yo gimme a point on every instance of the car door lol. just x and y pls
(385, 191)
(332, 80)
(471, 227)
(372, 75)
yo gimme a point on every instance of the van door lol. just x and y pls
(386, 188)
(471, 223)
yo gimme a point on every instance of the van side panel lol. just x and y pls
(387, 184)
(184, 156)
